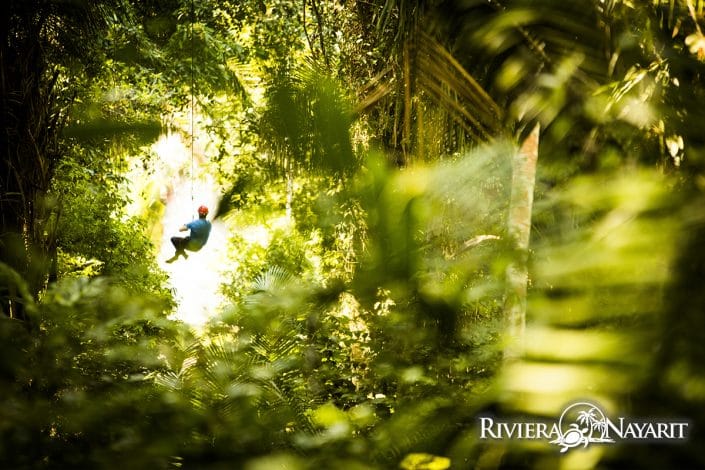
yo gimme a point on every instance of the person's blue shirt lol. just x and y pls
(200, 230)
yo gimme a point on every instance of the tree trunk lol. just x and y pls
(519, 230)
(31, 122)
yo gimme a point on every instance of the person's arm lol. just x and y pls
(183, 228)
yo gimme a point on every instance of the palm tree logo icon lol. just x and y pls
(582, 423)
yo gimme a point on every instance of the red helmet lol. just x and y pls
(203, 211)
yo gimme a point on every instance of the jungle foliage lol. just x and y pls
(364, 155)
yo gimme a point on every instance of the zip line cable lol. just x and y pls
(192, 100)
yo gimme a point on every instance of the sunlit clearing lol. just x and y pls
(196, 280)
(261, 234)
(147, 183)
(256, 235)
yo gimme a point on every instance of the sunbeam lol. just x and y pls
(196, 280)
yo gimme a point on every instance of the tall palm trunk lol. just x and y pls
(519, 230)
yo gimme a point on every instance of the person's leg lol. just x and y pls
(180, 244)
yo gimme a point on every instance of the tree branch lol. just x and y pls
(319, 21)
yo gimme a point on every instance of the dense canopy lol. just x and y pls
(427, 217)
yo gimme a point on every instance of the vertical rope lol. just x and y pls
(192, 100)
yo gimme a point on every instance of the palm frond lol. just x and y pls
(597, 287)
(438, 65)
(271, 350)
(425, 78)
(271, 280)
(307, 124)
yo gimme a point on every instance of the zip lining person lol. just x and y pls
(200, 230)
